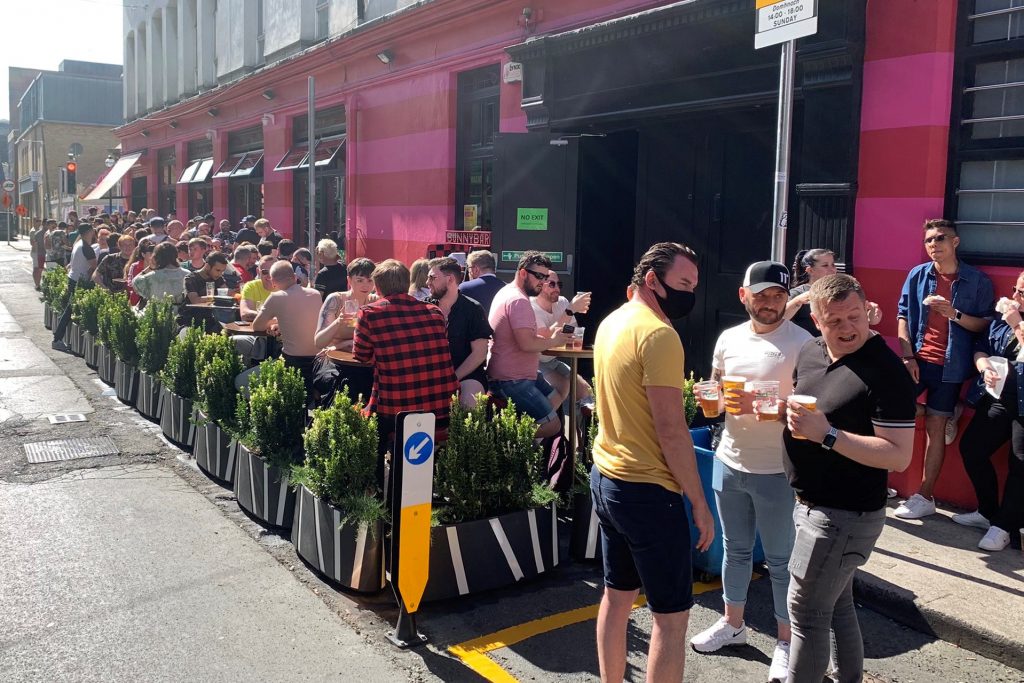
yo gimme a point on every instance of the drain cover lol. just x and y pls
(69, 449)
(65, 417)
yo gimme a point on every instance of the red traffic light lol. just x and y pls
(71, 167)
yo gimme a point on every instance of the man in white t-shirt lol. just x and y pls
(553, 312)
(83, 262)
(751, 488)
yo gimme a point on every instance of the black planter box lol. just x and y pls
(47, 316)
(90, 350)
(263, 491)
(342, 553)
(150, 395)
(69, 337)
(176, 420)
(585, 542)
(77, 339)
(473, 557)
(215, 452)
(126, 382)
(105, 368)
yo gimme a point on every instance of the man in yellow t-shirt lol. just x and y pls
(643, 461)
(256, 291)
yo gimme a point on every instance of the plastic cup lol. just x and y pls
(806, 402)
(577, 338)
(732, 384)
(766, 398)
(708, 397)
(222, 291)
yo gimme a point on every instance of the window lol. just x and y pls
(476, 127)
(323, 24)
(260, 34)
(987, 169)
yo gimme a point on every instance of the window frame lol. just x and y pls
(467, 150)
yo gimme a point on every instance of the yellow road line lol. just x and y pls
(473, 653)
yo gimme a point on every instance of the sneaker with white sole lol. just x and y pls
(974, 519)
(994, 540)
(718, 636)
(59, 345)
(915, 507)
(953, 424)
(778, 672)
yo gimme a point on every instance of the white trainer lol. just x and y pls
(915, 507)
(718, 636)
(953, 424)
(974, 519)
(778, 672)
(994, 540)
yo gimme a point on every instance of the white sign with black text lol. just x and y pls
(779, 21)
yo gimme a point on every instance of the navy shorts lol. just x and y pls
(645, 541)
(531, 396)
(942, 396)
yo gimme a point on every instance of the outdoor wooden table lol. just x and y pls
(345, 358)
(241, 328)
(210, 306)
(573, 355)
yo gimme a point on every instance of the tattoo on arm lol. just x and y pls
(329, 312)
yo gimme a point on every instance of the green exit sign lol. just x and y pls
(514, 256)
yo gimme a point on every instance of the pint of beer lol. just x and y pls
(805, 402)
(733, 383)
(707, 396)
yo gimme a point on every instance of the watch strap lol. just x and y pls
(829, 442)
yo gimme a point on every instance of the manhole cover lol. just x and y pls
(65, 417)
(69, 449)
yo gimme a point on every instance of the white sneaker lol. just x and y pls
(994, 540)
(952, 424)
(915, 507)
(778, 672)
(891, 492)
(718, 636)
(974, 519)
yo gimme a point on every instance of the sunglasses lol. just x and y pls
(935, 238)
(1018, 292)
(539, 276)
(431, 278)
(553, 284)
(264, 272)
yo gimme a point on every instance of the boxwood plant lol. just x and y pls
(217, 366)
(157, 327)
(272, 418)
(179, 373)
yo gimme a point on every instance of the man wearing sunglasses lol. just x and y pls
(553, 311)
(943, 305)
(513, 369)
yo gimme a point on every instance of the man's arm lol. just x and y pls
(528, 340)
(264, 316)
(677, 446)
(475, 359)
(889, 449)
(907, 349)
(362, 339)
(247, 309)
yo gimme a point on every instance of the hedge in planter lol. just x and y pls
(339, 521)
(85, 312)
(157, 328)
(271, 421)
(53, 286)
(179, 388)
(74, 336)
(500, 524)
(218, 364)
(124, 341)
(106, 334)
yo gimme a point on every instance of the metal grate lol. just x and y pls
(65, 417)
(69, 449)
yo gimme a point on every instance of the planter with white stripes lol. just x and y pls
(105, 368)
(47, 316)
(126, 382)
(176, 420)
(585, 541)
(150, 395)
(343, 553)
(215, 451)
(90, 350)
(262, 490)
(473, 557)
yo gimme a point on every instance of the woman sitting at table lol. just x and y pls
(165, 279)
(140, 260)
(334, 331)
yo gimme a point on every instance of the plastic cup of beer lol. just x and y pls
(577, 338)
(806, 402)
(766, 399)
(210, 287)
(708, 398)
(349, 311)
(733, 383)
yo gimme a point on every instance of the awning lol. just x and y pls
(107, 182)
(324, 152)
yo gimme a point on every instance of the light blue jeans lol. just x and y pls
(751, 504)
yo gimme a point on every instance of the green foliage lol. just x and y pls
(179, 373)
(217, 365)
(341, 461)
(689, 400)
(53, 286)
(85, 307)
(271, 421)
(490, 464)
(157, 328)
(123, 329)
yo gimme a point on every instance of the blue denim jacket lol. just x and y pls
(1000, 336)
(972, 294)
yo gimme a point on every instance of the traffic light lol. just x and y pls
(69, 173)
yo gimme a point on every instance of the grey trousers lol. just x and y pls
(830, 545)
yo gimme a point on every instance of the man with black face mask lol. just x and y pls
(644, 464)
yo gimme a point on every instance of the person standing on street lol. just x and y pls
(644, 463)
(83, 262)
(850, 424)
(943, 305)
(753, 494)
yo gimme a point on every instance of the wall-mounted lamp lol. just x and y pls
(212, 111)
(110, 160)
(386, 56)
(144, 133)
(268, 94)
(268, 119)
(211, 134)
(173, 124)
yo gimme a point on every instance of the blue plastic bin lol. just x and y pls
(710, 562)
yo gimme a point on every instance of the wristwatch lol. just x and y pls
(957, 315)
(829, 442)
(569, 312)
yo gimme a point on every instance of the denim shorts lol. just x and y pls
(531, 396)
(942, 396)
(645, 541)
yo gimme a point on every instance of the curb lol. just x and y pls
(893, 602)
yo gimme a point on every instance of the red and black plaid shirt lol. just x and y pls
(407, 343)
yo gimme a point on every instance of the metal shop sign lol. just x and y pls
(779, 21)
(514, 256)
(469, 238)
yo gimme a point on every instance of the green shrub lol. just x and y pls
(53, 286)
(86, 307)
(490, 464)
(272, 418)
(690, 404)
(341, 461)
(179, 373)
(123, 330)
(217, 365)
(157, 327)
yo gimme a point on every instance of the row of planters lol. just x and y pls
(493, 524)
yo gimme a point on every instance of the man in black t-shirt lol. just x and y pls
(332, 277)
(267, 232)
(838, 456)
(195, 290)
(247, 233)
(468, 330)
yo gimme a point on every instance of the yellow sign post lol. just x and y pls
(412, 486)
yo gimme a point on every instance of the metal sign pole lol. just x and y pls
(311, 212)
(783, 134)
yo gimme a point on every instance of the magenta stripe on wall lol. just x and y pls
(425, 224)
(414, 152)
(907, 91)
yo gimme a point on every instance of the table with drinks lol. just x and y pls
(573, 351)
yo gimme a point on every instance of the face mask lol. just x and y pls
(677, 304)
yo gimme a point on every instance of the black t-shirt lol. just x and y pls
(803, 315)
(467, 322)
(866, 389)
(331, 279)
(195, 282)
(247, 235)
(275, 238)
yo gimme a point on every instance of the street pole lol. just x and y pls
(783, 136)
(311, 213)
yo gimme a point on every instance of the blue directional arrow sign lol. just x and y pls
(418, 448)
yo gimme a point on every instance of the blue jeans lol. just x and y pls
(749, 504)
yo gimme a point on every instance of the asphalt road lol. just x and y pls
(136, 567)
